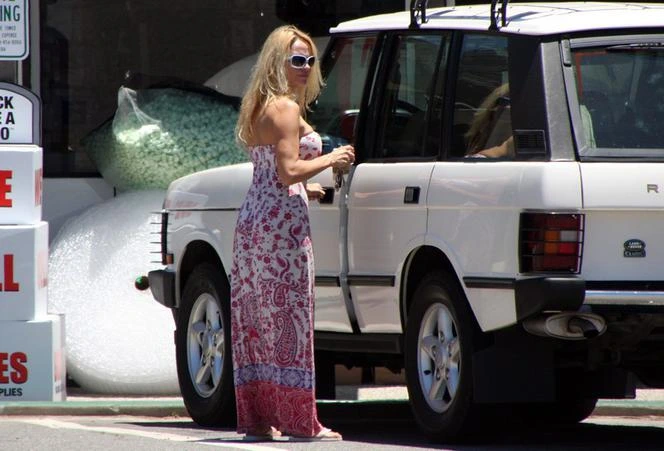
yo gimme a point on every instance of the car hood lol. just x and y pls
(218, 188)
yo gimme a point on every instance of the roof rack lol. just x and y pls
(418, 10)
(500, 12)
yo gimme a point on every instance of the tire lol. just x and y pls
(565, 412)
(203, 348)
(572, 405)
(573, 411)
(440, 319)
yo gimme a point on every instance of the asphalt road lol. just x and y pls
(89, 433)
(369, 418)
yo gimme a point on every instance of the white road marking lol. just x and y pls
(58, 424)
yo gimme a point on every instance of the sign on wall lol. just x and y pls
(20, 115)
(14, 25)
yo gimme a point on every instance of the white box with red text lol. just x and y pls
(21, 182)
(32, 360)
(23, 272)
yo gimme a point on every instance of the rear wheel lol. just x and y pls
(572, 404)
(203, 348)
(572, 411)
(440, 333)
(559, 412)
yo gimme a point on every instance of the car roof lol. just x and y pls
(523, 18)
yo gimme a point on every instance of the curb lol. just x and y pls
(101, 408)
(629, 408)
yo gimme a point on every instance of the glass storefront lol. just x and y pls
(90, 49)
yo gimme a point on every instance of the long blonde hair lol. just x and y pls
(268, 79)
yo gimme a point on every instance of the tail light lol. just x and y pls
(551, 242)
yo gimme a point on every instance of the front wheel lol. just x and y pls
(440, 333)
(203, 348)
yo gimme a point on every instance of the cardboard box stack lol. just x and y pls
(32, 356)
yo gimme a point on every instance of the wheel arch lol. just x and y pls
(419, 263)
(197, 252)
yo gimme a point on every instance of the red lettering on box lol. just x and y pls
(5, 187)
(19, 374)
(9, 283)
(3, 368)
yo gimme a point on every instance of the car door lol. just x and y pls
(387, 190)
(345, 67)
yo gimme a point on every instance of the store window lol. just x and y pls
(89, 50)
(8, 71)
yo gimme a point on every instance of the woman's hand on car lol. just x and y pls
(315, 191)
(342, 157)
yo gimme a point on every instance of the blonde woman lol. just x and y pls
(272, 277)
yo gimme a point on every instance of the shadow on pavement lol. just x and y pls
(392, 423)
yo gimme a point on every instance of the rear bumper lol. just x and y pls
(646, 298)
(162, 285)
(536, 295)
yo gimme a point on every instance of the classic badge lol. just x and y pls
(634, 248)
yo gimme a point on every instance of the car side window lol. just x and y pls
(407, 99)
(345, 70)
(482, 124)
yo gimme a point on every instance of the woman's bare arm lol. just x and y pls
(284, 115)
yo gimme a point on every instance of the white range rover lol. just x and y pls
(501, 236)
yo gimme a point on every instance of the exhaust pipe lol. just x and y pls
(567, 325)
(587, 328)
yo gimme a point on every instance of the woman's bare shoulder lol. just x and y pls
(283, 113)
(282, 105)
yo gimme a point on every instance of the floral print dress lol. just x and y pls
(272, 311)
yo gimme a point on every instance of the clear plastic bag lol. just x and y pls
(160, 134)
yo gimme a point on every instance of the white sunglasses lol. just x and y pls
(300, 61)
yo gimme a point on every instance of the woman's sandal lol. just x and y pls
(263, 436)
(325, 435)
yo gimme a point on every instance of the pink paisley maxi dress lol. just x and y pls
(272, 310)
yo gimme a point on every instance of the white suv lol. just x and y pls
(501, 236)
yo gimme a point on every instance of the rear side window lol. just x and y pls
(619, 89)
(482, 124)
(345, 71)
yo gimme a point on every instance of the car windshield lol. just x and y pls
(620, 90)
